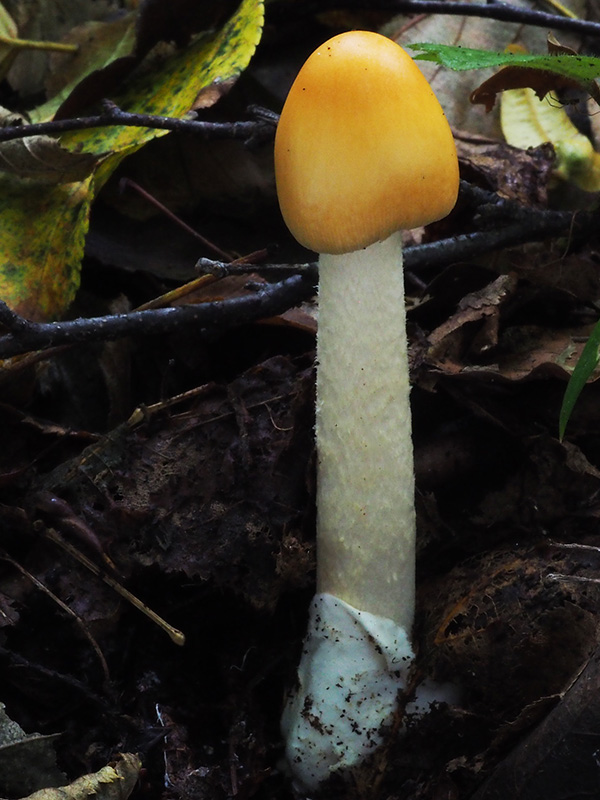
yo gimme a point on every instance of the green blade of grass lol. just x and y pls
(588, 361)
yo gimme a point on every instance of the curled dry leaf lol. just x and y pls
(42, 158)
(540, 81)
(109, 783)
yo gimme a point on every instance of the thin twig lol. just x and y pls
(223, 269)
(127, 183)
(68, 611)
(176, 636)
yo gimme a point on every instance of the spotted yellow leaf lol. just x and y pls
(42, 233)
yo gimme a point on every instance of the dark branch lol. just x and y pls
(469, 245)
(271, 299)
(503, 12)
(510, 224)
(259, 129)
(507, 223)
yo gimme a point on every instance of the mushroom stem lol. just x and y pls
(365, 494)
(357, 649)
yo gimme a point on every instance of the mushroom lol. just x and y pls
(362, 151)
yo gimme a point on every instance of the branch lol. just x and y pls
(25, 336)
(507, 223)
(251, 131)
(469, 245)
(520, 225)
(504, 12)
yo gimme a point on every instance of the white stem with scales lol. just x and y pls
(357, 648)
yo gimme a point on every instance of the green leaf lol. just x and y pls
(588, 361)
(578, 68)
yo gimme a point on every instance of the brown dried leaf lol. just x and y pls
(520, 175)
(42, 158)
(208, 489)
(448, 340)
(539, 80)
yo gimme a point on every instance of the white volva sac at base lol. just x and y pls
(353, 665)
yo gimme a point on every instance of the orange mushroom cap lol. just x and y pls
(362, 148)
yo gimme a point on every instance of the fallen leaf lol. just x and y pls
(529, 122)
(541, 82)
(52, 20)
(43, 159)
(42, 237)
(43, 227)
(481, 307)
(513, 173)
(174, 86)
(109, 783)
(100, 44)
(27, 760)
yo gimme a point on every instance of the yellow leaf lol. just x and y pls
(109, 783)
(42, 234)
(528, 122)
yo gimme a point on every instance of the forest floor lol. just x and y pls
(179, 466)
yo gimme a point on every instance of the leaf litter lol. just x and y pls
(188, 461)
